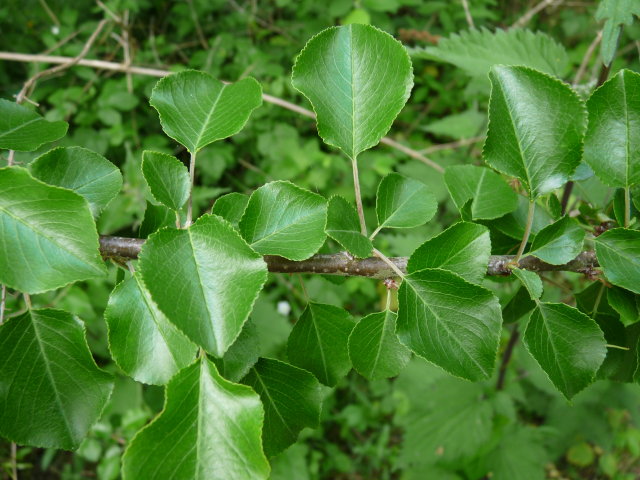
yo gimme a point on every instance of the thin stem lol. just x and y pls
(467, 14)
(192, 174)
(392, 265)
(356, 187)
(527, 230)
(608, 345)
(596, 304)
(303, 288)
(566, 195)
(14, 461)
(506, 357)
(3, 300)
(375, 232)
(388, 307)
(10, 157)
(627, 208)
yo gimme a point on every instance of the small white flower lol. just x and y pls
(284, 308)
(55, 30)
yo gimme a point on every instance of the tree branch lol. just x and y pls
(120, 248)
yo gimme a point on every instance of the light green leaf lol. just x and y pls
(450, 322)
(458, 125)
(344, 227)
(24, 130)
(48, 238)
(81, 170)
(357, 78)
(568, 345)
(205, 279)
(167, 177)
(209, 429)
(559, 242)
(286, 220)
(616, 13)
(618, 253)
(531, 281)
(142, 341)
(196, 109)
(519, 455)
(624, 302)
(492, 197)
(536, 124)
(463, 248)
(231, 207)
(291, 397)
(403, 202)
(374, 348)
(319, 342)
(612, 141)
(51, 389)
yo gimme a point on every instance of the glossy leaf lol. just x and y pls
(357, 78)
(618, 253)
(155, 218)
(559, 242)
(531, 281)
(568, 345)
(374, 348)
(286, 220)
(403, 202)
(142, 341)
(167, 177)
(291, 397)
(319, 342)
(242, 354)
(196, 109)
(491, 196)
(204, 279)
(52, 391)
(344, 227)
(463, 248)
(536, 124)
(81, 170)
(24, 130)
(231, 207)
(48, 235)
(450, 322)
(612, 141)
(209, 429)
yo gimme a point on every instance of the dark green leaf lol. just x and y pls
(24, 130)
(559, 242)
(518, 306)
(344, 227)
(618, 253)
(242, 355)
(624, 302)
(167, 177)
(155, 218)
(231, 207)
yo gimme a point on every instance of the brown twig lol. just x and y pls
(506, 357)
(526, 18)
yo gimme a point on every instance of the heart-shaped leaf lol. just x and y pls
(403, 202)
(344, 227)
(618, 253)
(167, 177)
(24, 130)
(559, 242)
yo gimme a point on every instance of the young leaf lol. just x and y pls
(142, 341)
(374, 348)
(531, 281)
(450, 322)
(612, 141)
(204, 279)
(559, 242)
(167, 177)
(616, 13)
(536, 124)
(81, 170)
(357, 78)
(344, 227)
(196, 109)
(618, 253)
(209, 428)
(286, 220)
(49, 237)
(231, 207)
(319, 342)
(291, 397)
(24, 130)
(52, 391)
(403, 202)
(463, 248)
(491, 196)
(568, 345)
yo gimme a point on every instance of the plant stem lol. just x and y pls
(375, 232)
(506, 357)
(2, 303)
(627, 208)
(192, 174)
(356, 187)
(527, 230)
(393, 266)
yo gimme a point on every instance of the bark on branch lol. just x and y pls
(345, 265)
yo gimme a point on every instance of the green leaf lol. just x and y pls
(155, 218)
(81, 170)
(319, 342)
(231, 207)
(531, 281)
(344, 227)
(142, 341)
(568, 345)
(513, 224)
(48, 237)
(291, 397)
(52, 391)
(612, 141)
(559, 242)
(357, 78)
(242, 355)
(450, 322)
(519, 455)
(492, 197)
(536, 124)
(476, 51)
(286, 220)
(463, 248)
(618, 253)
(205, 279)
(196, 109)
(518, 306)
(167, 177)
(374, 348)
(24, 130)
(616, 13)
(624, 302)
(209, 429)
(403, 202)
